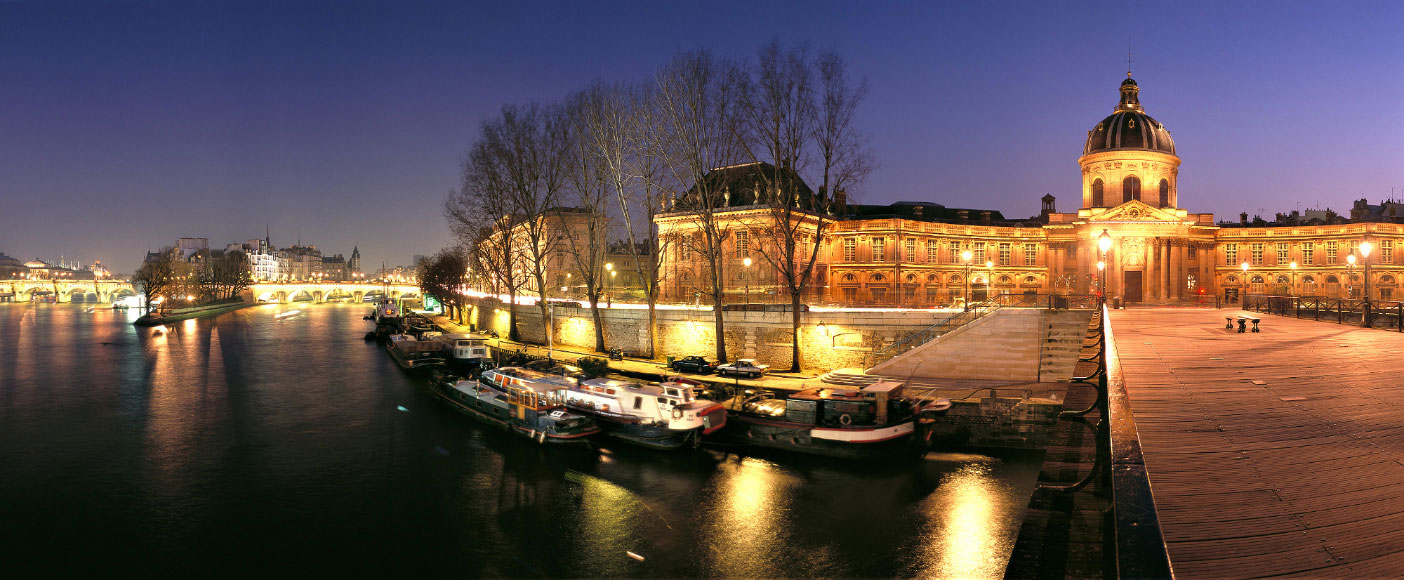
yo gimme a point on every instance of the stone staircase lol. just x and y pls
(1061, 344)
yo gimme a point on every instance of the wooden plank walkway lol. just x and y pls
(1279, 453)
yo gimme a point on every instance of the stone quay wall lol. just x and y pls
(843, 340)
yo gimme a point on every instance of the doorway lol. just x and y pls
(1133, 287)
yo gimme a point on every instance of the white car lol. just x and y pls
(743, 368)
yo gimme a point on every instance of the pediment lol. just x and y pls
(1135, 211)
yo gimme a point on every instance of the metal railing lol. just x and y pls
(1387, 314)
(1137, 540)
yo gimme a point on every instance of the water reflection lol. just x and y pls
(291, 438)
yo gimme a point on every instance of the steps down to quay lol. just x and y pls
(1063, 332)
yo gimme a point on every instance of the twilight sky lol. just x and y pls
(126, 125)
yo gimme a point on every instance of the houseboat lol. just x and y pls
(516, 400)
(465, 351)
(664, 416)
(876, 421)
(411, 353)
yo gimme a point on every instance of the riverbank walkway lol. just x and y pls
(1279, 453)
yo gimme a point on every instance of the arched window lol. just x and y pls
(1257, 280)
(1130, 188)
(878, 278)
(931, 278)
(911, 278)
(955, 279)
(1097, 192)
(1164, 193)
(849, 278)
(1386, 279)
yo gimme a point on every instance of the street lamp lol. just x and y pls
(1293, 291)
(965, 257)
(1350, 274)
(747, 263)
(1244, 284)
(1101, 265)
(989, 278)
(1365, 248)
(1104, 243)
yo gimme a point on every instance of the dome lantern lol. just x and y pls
(1129, 127)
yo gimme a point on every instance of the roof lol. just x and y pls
(1128, 127)
(919, 211)
(748, 184)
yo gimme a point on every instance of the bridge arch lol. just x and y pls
(299, 294)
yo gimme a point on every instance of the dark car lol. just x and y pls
(693, 364)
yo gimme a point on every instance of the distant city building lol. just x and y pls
(302, 261)
(190, 247)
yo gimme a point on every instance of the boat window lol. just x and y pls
(638, 402)
(662, 400)
(672, 392)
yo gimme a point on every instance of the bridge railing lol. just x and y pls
(1382, 314)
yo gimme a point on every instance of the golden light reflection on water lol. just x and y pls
(968, 533)
(744, 530)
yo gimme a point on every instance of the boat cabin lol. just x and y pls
(465, 346)
(843, 407)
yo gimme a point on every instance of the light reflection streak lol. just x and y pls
(966, 535)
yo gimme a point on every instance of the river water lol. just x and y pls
(254, 445)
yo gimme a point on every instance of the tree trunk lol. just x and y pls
(720, 329)
(599, 321)
(512, 333)
(653, 325)
(794, 332)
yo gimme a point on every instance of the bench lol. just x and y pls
(1228, 322)
(1243, 323)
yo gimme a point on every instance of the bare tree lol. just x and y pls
(796, 107)
(157, 275)
(592, 175)
(442, 276)
(697, 110)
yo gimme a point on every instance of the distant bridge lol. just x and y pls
(319, 292)
(65, 290)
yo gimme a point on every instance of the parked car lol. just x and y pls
(743, 368)
(693, 364)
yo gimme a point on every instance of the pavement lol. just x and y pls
(1278, 453)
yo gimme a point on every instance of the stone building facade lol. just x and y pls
(913, 254)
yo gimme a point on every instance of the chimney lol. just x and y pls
(984, 218)
(1048, 204)
(917, 211)
(964, 216)
(840, 202)
(1243, 218)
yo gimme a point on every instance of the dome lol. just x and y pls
(1128, 127)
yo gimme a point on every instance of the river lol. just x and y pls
(253, 445)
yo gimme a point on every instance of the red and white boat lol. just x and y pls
(876, 421)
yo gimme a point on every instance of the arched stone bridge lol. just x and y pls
(319, 292)
(63, 290)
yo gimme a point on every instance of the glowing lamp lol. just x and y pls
(1104, 241)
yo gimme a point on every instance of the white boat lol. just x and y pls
(663, 416)
(465, 349)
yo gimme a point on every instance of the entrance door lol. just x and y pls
(1133, 287)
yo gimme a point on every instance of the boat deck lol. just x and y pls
(1279, 453)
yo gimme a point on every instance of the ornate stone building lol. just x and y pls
(912, 254)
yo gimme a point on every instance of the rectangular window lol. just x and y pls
(1231, 254)
(1030, 254)
(1005, 253)
(1330, 253)
(743, 243)
(879, 249)
(1257, 252)
(1282, 257)
(1193, 250)
(850, 250)
(1386, 251)
(910, 250)
(980, 252)
(1308, 249)
(931, 252)
(953, 255)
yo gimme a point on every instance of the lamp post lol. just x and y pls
(1104, 243)
(965, 257)
(989, 278)
(1365, 248)
(1097, 279)
(747, 263)
(1350, 274)
(1293, 291)
(1244, 285)
(609, 296)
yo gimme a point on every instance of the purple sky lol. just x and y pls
(124, 126)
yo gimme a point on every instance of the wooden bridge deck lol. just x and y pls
(1279, 453)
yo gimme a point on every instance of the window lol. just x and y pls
(1030, 254)
(1131, 188)
(1193, 250)
(910, 249)
(1005, 253)
(1330, 253)
(1164, 193)
(1097, 193)
(1307, 251)
(953, 254)
(743, 243)
(1386, 251)
(931, 253)
(1231, 254)
(850, 249)
(1257, 253)
(1282, 257)
(879, 249)
(979, 252)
